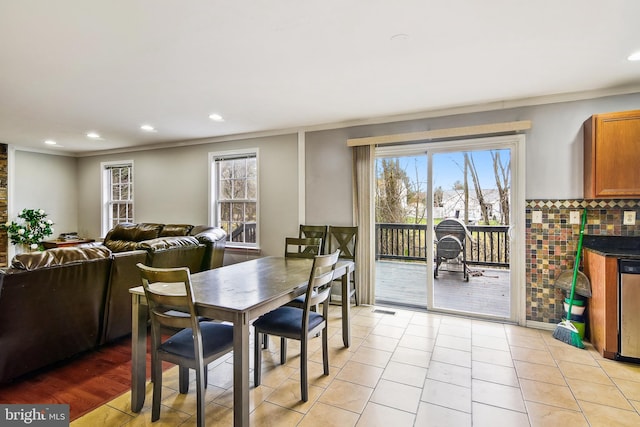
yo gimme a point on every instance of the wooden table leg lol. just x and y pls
(139, 316)
(346, 310)
(241, 371)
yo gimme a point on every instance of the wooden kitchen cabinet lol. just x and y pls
(612, 155)
(602, 272)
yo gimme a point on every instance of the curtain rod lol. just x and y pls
(478, 130)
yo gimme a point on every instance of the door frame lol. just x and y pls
(516, 143)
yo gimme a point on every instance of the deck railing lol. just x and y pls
(489, 244)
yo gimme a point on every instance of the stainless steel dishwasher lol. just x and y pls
(629, 311)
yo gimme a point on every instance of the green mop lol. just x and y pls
(566, 331)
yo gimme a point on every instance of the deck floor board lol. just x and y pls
(405, 283)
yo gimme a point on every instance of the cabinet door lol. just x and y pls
(612, 149)
(603, 305)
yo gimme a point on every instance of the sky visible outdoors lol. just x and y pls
(449, 168)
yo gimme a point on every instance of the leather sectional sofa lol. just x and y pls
(60, 302)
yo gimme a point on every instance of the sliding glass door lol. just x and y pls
(444, 221)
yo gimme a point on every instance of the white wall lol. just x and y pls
(328, 179)
(171, 186)
(42, 181)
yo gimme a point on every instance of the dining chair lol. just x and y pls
(345, 239)
(302, 247)
(170, 295)
(318, 231)
(298, 247)
(300, 323)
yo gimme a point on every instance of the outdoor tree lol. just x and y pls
(417, 197)
(391, 191)
(438, 197)
(503, 183)
(470, 167)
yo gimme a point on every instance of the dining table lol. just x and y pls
(237, 293)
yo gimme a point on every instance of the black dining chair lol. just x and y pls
(317, 231)
(170, 295)
(298, 247)
(345, 239)
(300, 323)
(302, 247)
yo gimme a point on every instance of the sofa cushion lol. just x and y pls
(175, 230)
(122, 245)
(59, 256)
(135, 232)
(164, 243)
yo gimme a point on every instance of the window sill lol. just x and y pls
(242, 250)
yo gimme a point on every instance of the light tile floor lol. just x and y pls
(414, 369)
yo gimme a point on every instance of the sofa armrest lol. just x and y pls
(211, 235)
(174, 251)
(215, 240)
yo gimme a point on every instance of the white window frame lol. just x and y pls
(105, 183)
(214, 211)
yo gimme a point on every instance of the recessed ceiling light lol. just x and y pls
(50, 142)
(216, 117)
(399, 37)
(634, 56)
(93, 135)
(148, 128)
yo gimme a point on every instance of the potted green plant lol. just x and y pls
(30, 229)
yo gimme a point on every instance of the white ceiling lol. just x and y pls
(68, 67)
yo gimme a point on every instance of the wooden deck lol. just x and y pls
(405, 284)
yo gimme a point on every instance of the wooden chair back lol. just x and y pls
(319, 285)
(344, 239)
(317, 231)
(167, 308)
(306, 247)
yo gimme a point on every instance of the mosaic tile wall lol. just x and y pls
(551, 246)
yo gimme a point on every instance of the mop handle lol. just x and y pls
(576, 266)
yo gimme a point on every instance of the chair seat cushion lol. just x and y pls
(286, 320)
(215, 338)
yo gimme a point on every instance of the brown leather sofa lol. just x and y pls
(60, 302)
(51, 307)
(200, 246)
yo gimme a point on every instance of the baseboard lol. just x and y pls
(541, 325)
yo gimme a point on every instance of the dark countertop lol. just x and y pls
(613, 246)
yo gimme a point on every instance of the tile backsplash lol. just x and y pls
(551, 246)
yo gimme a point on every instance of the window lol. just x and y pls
(235, 196)
(117, 194)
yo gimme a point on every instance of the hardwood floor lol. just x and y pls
(84, 382)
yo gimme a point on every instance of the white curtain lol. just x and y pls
(364, 215)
